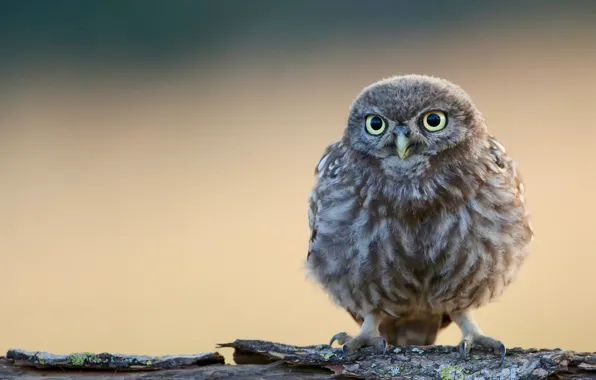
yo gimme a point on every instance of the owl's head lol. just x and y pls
(410, 121)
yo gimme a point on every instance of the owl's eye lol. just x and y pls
(434, 120)
(375, 125)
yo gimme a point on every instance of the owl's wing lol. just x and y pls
(329, 161)
(503, 161)
(328, 167)
(509, 167)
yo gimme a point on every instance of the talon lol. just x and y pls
(464, 348)
(384, 343)
(503, 352)
(346, 350)
(341, 338)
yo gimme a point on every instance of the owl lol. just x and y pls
(417, 217)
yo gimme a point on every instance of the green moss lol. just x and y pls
(327, 355)
(42, 362)
(148, 362)
(452, 372)
(78, 358)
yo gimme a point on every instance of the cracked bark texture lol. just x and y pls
(258, 359)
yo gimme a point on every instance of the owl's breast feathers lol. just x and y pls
(371, 252)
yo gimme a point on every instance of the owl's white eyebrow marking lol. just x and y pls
(375, 110)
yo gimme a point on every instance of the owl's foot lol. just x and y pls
(473, 335)
(484, 341)
(367, 337)
(351, 344)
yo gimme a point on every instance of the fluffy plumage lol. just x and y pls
(414, 227)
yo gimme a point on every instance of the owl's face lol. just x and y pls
(410, 120)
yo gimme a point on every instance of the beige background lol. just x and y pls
(164, 213)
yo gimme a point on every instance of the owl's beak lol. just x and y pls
(403, 143)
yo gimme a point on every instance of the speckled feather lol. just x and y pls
(445, 230)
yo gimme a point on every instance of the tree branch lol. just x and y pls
(106, 361)
(430, 362)
(268, 360)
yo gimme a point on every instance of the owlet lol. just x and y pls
(417, 216)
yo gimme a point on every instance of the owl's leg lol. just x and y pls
(367, 337)
(471, 334)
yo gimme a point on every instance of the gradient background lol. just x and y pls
(156, 158)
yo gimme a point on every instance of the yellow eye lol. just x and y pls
(434, 120)
(375, 125)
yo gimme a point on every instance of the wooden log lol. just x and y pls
(429, 362)
(258, 359)
(87, 360)
(277, 371)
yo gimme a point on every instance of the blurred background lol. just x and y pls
(156, 159)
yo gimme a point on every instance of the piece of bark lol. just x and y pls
(430, 362)
(87, 360)
(278, 361)
(274, 371)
